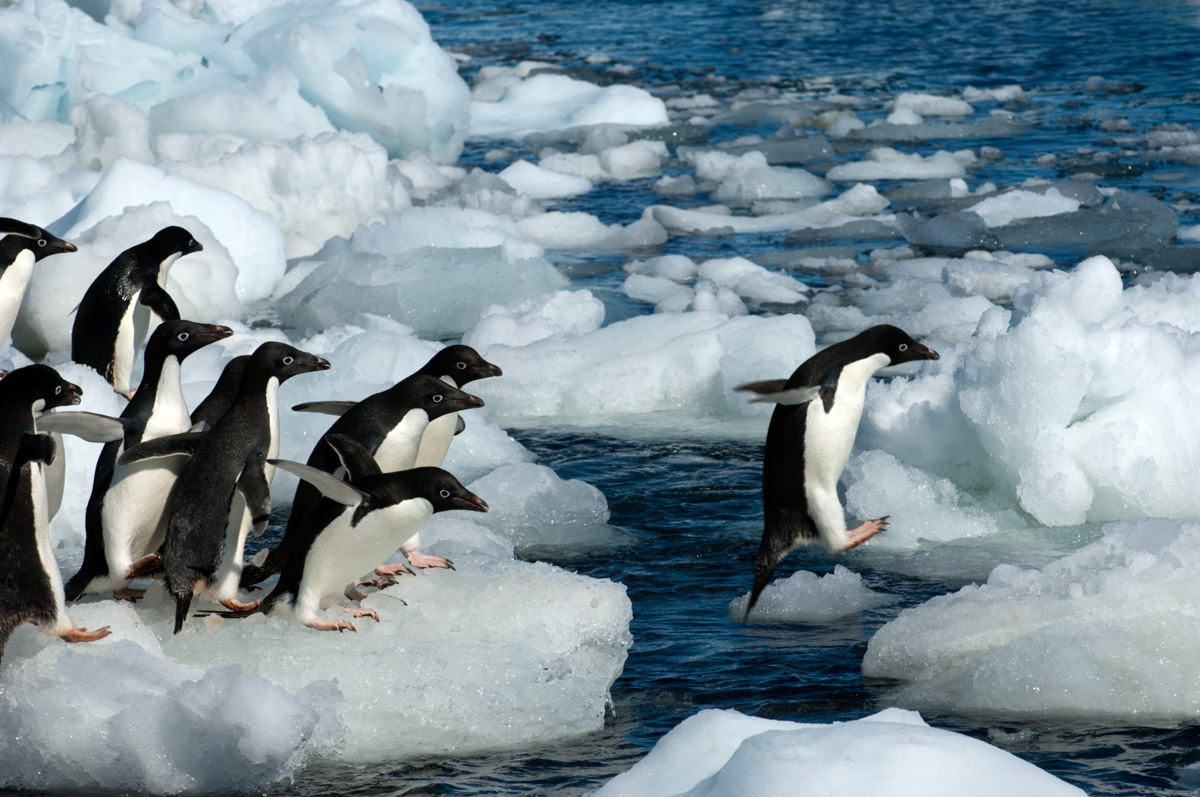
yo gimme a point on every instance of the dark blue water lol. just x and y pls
(693, 507)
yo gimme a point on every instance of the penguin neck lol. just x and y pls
(449, 380)
(169, 404)
(165, 266)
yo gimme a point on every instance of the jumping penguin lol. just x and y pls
(808, 444)
(126, 514)
(118, 311)
(225, 484)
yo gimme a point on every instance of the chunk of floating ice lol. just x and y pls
(1007, 207)
(524, 321)
(888, 164)
(805, 597)
(494, 655)
(722, 753)
(541, 183)
(548, 102)
(578, 230)
(1111, 630)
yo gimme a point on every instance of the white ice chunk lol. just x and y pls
(542, 183)
(1010, 206)
(805, 597)
(885, 163)
(522, 322)
(933, 104)
(579, 230)
(723, 753)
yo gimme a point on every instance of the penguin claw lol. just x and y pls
(331, 625)
(418, 559)
(397, 569)
(866, 531)
(84, 635)
(360, 613)
(237, 606)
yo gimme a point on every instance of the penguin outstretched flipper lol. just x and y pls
(157, 299)
(775, 391)
(330, 486)
(35, 447)
(90, 426)
(169, 446)
(338, 408)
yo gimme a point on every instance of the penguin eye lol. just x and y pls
(183, 336)
(288, 360)
(58, 390)
(437, 398)
(444, 493)
(462, 366)
(41, 242)
(903, 347)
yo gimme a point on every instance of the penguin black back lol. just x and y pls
(213, 406)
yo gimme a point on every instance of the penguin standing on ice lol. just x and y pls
(225, 482)
(808, 444)
(23, 245)
(117, 312)
(361, 522)
(127, 512)
(31, 588)
(389, 425)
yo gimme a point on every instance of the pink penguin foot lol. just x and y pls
(418, 559)
(128, 594)
(330, 625)
(865, 532)
(353, 593)
(360, 613)
(237, 606)
(148, 564)
(397, 569)
(84, 635)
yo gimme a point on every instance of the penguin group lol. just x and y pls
(176, 493)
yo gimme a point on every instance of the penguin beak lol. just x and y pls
(315, 364)
(74, 394)
(470, 402)
(490, 370)
(473, 504)
(925, 353)
(67, 246)
(216, 332)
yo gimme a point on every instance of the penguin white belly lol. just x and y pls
(125, 345)
(136, 509)
(13, 283)
(398, 451)
(435, 441)
(828, 440)
(41, 523)
(342, 552)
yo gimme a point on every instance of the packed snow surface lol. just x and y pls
(892, 754)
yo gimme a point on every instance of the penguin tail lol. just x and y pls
(183, 602)
(770, 554)
(762, 577)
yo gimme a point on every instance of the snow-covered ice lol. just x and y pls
(894, 753)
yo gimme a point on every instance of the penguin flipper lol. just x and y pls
(330, 486)
(461, 426)
(157, 299)
(256, 492)
(357, 461)
(169, 446)
(90, 426)
(775, 391)
(35, 447)
(338, 408)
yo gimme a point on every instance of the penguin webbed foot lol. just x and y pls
(148, 566)
(865, 532)
(84, 635)
(129, 594)
(331, 625)
(418, 559)
(360, 613)
(237, 606)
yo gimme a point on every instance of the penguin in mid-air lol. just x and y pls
(808, 444)
(23, 245)
(31, 587)
(360, 522)
(126, 515)
(389, 425)
(226, 483)
(118, 311)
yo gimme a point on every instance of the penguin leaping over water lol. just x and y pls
(808, 444)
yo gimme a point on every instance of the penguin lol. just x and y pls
(116, 313)
(808, 444)
(210, 410)
(126, 514)
(22, 246)
(225, 485)
(389, 425)
(359, 523)
(31, 588)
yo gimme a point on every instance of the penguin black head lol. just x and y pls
(39, 386)
(181, 338)
(170, 240)
(437, 398)
(461, 363)
(445, 492)
(41, 243)
(895, 343)
(283, 361)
